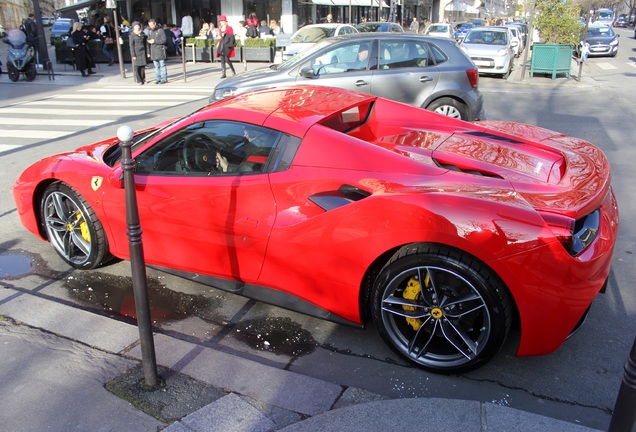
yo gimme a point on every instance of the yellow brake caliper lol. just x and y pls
(86, 235)
(412, 290)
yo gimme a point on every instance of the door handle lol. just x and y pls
(426, 79)
(361, 83)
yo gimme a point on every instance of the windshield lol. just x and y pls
(300, 57)
(437, 29)
(312, 34)
(487, 37)
(62, 25)
(599, 31)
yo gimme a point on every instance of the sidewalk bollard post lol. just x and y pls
(140, 290)
(624, 417)
(183, 58)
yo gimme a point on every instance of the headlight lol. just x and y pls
(502, 52)
(224, 92)
(614, 42)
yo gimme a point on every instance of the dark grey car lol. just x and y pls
(429, 72)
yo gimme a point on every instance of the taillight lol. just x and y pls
(574, 235)
(473, 77)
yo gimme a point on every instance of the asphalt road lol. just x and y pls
(578, 383)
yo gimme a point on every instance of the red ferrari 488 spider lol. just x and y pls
(351, 207)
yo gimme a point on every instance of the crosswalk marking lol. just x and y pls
(50, 122)
(606, 66)
(59, 115)
(7, 147)
(101, 104)
(172, 97)
(70, 111)
(41, 134)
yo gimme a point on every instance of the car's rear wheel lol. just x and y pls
(441, 309)
(73, 228)
(449, 107)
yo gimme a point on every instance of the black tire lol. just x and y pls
(507, 74)
(73, 228)
(30, 72)
(453, 323)
(14, 73)
(449, 107)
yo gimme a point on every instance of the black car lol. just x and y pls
(602, 40)
(61, 29)
(621, 22)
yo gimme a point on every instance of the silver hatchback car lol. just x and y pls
(418, 70)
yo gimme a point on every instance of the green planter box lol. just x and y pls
(265, 54)
(201, 54)
(551, 59)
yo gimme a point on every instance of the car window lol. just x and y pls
(341, 59)
(403, 54)
(438, 54)
(193, 150)
(488, 37)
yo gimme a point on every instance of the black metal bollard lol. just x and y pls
(140, 290)
(624, 417)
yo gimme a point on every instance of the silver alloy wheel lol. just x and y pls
(449, 111)
(435, 317)
(67, 227)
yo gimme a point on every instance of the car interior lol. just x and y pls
(193, 150)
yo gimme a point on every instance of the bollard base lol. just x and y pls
(178, 396)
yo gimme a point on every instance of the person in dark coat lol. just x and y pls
(158, 51)
(80, 51)
(227, 42)
(138, 52)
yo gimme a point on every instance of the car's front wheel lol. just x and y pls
(449, 107)
(73, 228)
(441, 309)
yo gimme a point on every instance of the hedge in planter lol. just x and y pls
(257, 49)
(559, 27)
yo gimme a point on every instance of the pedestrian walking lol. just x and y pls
(415, 25)
(108, 33)
(158, 51)
(138, 52)
(225, 48)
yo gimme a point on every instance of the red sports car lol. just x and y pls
(348, 207)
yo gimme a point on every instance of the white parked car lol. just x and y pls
(310, 34)
(440, 30)
(491, 50)
(516, 39)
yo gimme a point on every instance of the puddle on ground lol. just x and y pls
(279, 335)
(15, 265)
(115, 294)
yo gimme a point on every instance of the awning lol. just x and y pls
(69, 11)
(458, 6)
(370, 3)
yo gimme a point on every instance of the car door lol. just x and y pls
(406, 71)
(195, 218)
(338, 66)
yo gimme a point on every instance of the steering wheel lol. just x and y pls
(199, 152)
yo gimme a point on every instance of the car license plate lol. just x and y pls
(482, 63)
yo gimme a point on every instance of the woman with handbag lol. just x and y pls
(225, 48)
(108, 32)
(138, 52)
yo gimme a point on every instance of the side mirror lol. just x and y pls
(307, 72)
